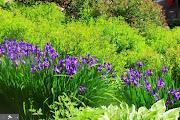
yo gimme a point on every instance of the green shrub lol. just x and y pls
(110, 39)
(167, 43)
(47, 12)
(135, 12)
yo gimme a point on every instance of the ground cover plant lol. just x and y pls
(115, 58)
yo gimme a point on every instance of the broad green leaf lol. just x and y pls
(159, 106)
(172, 114)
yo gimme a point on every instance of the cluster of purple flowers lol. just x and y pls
(18, 51)
(92, 61)
(172, 95)
(50, 52)
(106, 68)
(89, 60)
(26, 53)
(48, 59)
(134, 77)
(69, 65)
(82, 89)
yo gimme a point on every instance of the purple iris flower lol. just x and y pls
(47, 47)
(160, 83)
(61, 63)
(33, 69)
(138, 74)
(100, 67)
(82, 89)
(169, 101)
(125, 80)
(135, 76)
(83, 60)
(148, 72)
(55, 69)
(49, 50)
(156, 96)
(2, 50)
(92, 61)
(175, 94)
(164, 69)
(71, 65)
(139, 63)
(89, 60)
(46, 63)
(107, 66)
(147, 86)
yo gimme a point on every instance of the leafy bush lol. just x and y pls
(136, 12)
(47, 12)
(121, 112)
(111, 40)
(167, 43)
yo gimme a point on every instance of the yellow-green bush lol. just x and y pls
(111, 39)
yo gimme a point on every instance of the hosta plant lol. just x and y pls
(156, 112)
(68, 109)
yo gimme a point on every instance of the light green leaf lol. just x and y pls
(172, 114)
(159, 106)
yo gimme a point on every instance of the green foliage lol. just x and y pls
(167, 43)
(1, 2)
(157, 112)
(112, 40)
(147, 88)
(109, 38)
(121, 112)
(19, 83)
(5, 3)
(47, 12)
(135, 12)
